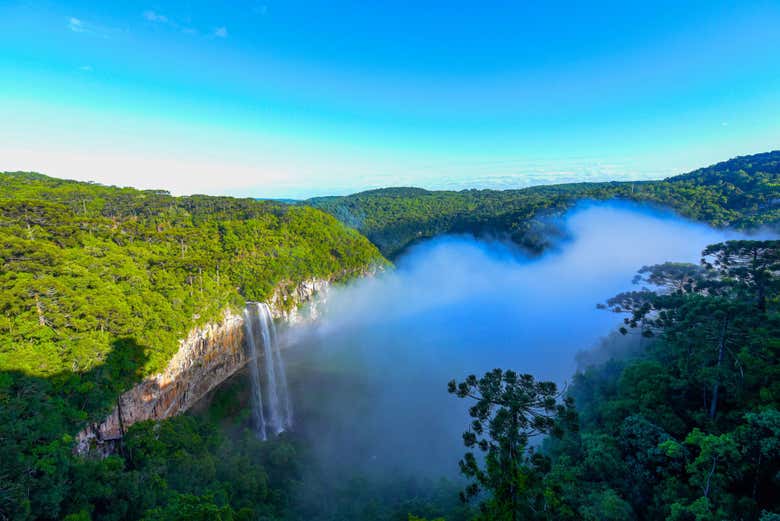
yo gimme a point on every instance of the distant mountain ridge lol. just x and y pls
(743, 192)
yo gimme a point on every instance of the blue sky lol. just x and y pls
(295, 99)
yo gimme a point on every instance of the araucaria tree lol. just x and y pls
(694, 417)
(751, 266)
(509, 410)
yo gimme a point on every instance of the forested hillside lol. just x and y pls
(86, 265)
(685, 429)
(743, 192)
(98, 285)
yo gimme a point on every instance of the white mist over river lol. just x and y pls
(369, 378)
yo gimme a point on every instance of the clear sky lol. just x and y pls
(292, 99)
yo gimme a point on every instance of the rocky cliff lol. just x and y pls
(206, 358)
(285, 303)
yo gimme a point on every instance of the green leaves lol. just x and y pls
(97, 287)
(84, 264)
(509, 409)
(694, 413)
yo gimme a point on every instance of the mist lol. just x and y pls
(369, 378)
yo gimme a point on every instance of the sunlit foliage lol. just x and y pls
(741, 193)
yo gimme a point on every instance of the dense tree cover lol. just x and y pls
(179, 469)
(742, 192)
(207, 465)
(97, 286)
(509, 410)
(99, 283)
(686, 429)
(85, 264)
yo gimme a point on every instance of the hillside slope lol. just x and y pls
(742, 192)
(91, 270)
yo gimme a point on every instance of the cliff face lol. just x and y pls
(206, 358)
(285, 303)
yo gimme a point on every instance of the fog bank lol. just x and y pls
(369, 379)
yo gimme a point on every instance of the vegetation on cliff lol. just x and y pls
(86, 265)
(99, 284)
(741, 192)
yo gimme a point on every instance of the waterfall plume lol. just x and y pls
(267, 373)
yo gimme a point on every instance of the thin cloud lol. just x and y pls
(86, 68)
(183, 26)
(153, 16)
(76, 25)
(159, 18)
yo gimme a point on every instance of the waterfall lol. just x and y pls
(274, 417)
(258, 417)
(284, 393)
(276, 413)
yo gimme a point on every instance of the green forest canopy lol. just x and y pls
(99, 284)
(685, 429)
(85, 266)
(743, 193)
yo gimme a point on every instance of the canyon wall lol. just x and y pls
(206, 358)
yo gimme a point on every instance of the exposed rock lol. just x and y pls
(206, 358)
(285, 301)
